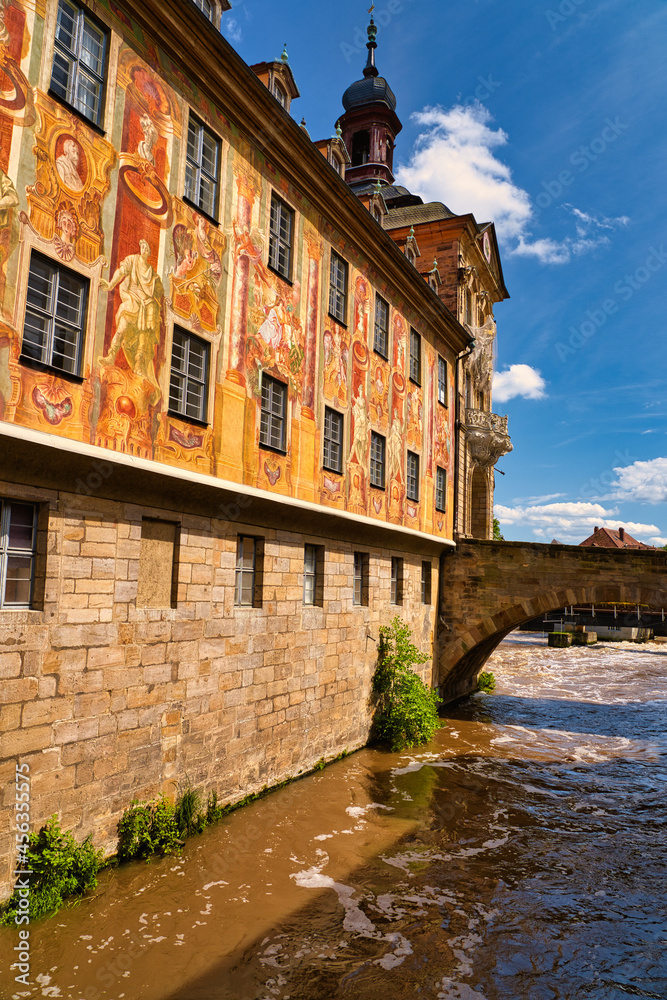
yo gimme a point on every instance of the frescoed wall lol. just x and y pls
(108, 204)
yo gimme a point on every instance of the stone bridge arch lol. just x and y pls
(488, 588)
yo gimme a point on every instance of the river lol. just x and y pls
(522, 854)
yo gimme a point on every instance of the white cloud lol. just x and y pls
(518, 380)
(231, 29)
(455, 161)
(642, 481)
(570, 522)
(658, 541)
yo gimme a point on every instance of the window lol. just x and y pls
(360, 595)
(410, 254)
(361, 148)
(338, 288)
(158, 564)
(17, 553)
(249, 563)
(274, 409)
(440, 489)
(202, 167)
(280, 237)
(332, 458)
(337, 164)
(413, 476)
(54, 316)
(381, 338)
(396, 580)
(415, 357)
(442, 381)
(426, 583)
(188, 388)
(206, 7)
(313, 575)
(377, 459)
(279, 94)
(79, 57)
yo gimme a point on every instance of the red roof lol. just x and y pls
(605, 538)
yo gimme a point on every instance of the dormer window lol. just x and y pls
(280, 94)
(410, 254)
(206, 7)
(337, 164)
(433, 281)
(377, 214)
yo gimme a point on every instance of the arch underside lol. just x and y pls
(464, 653)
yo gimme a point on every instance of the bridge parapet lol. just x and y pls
(488, 588)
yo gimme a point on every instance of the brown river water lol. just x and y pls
(522, 854)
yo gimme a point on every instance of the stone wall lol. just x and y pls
(107, 702)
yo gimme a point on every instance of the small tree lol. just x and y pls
(406, 709)
(497, 537)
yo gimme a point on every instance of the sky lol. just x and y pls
(549, 118)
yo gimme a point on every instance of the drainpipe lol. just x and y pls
(457, 427)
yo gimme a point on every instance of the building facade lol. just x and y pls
(231, 443)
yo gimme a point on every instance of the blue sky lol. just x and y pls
(550, 118)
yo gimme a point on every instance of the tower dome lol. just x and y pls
(370, 124)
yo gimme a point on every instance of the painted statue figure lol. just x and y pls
(145, 147)
(67, 165)
(361, 429)
(138, 316)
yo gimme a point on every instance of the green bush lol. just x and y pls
(147, 828)
(187, 814)
(406, 709)
(59, 868)
(486, 681)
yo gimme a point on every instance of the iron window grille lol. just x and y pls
(188, 387)
(426, 583)
(377, 460)
(360, 595)
(332, 458)
(440, 489)
(202, 167)
(412, 483)
(273, 413)
(381, 338)
(442, 381)
(79, 58)
(248, 583)
(415, 357)
(396, 580)
(280, 237)
(17, 553)
(55, 316)
(310, 573)
(338, 288)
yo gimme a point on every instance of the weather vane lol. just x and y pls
(371, 8)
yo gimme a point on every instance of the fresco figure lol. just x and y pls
(273, 328)
(138, 316)
(8, 198)
(395, 447)
(361, 428)
(67, 165)
(145, 147)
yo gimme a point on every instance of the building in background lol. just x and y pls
(235, 415)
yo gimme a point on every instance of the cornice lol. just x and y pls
(205, 56)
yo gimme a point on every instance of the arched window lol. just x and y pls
(337, 164)
(280, 94)
(361, 148)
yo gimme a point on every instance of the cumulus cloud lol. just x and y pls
(518, 380)
(456, 161)
(571, 521)
(642, 481)
(658, 541)
(231, 29)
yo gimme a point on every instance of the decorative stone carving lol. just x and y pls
(487, 437)
(479, 364)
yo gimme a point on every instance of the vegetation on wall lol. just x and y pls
(497, 537)
(486, 681)
(406, 711)
(58, 867)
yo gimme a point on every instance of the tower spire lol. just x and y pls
(371, 69)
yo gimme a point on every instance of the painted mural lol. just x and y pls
(108, 205)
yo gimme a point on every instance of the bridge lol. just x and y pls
(488, 588)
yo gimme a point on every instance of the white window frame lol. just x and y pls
(273, 414)
(78, 68)
(197, 173)
(184, 382)
(45, 341)
(9, 552)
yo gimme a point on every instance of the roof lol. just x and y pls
(434, 211)
(606, 538)
(370, 90)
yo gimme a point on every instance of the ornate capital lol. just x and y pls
(487, 437)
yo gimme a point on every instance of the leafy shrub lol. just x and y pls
(486, 681)
(59, 867)
(147, 828)
(188, 817)
(406, 709)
